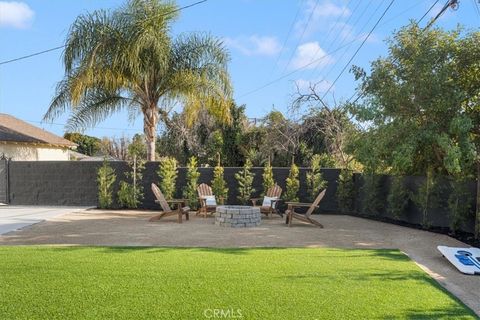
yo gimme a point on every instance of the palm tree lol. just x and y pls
(126, 60)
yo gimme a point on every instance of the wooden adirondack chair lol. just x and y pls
(273, 192)
(205, 190)
(304, 217)
(181, 208)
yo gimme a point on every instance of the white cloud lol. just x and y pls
(320, 14)
(307, 53)
(15, 14)
(254, 45)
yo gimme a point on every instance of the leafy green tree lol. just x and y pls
(245, 182)
(413, 102)
(292, 184)
(105, 179)
(315, 180)
(268, 180)
(125, 59)
(167, 171)
(190, 190)
(87, 145)
(219, 186)
(345, 191)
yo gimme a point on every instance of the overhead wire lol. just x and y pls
(359, 48)
(63, 46)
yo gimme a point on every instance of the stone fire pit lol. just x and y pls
(237, 216)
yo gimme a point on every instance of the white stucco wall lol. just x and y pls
(19, 152)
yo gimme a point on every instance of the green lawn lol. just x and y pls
(163, 283)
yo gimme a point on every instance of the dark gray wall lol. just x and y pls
(74, 183)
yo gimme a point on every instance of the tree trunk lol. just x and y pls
(477, 215)
(150, 121)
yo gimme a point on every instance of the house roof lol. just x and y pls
(16, 130)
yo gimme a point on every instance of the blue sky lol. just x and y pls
(269, 40)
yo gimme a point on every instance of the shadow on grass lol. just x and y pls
(451, 312)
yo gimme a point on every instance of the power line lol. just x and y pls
(430, 9)
(294, 21)
(301, 37)
(296, 70)
(359, 33)
(476, 7)
(358, 49)
(63, 46)
(333, 27)
(449, 3)
(320, 58)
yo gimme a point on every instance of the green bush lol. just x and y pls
(458, 203)
(315, 180)
(190, 190)
(105, 179)
(167, 171)
(345, 191)
(267, 177)
(372, 203)
(245, 182)
(130, 193)
(427, 197)
(292, 184)
(398, 197)
(219, 186)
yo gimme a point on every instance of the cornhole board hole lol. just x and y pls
(466, 260)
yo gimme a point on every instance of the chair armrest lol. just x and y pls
(255, 200)
(299, 204)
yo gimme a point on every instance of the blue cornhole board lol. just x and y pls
(466, 260)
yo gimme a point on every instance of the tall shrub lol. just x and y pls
(372, 204)
(167, 171)
(292, 184)
(427, 196)
(315, 180)
(458, 203)
(130, 193)
(219, 186)
(345, 191)
(190, 190)
(105, 179)
(245, 182)
(398, 197)
(267, 176)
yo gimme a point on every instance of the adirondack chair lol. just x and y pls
(291, 214)
(205, 192)
(180, 210)
(269, 208)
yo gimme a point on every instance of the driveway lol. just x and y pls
(17, 217)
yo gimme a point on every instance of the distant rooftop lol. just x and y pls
(17, 131)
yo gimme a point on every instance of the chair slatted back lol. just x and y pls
(204, 190)
(315, 203)
(274, 191)
(161, 199)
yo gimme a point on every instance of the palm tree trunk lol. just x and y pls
(150, 121)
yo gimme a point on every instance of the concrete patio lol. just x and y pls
(131, 228)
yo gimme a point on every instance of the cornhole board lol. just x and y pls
(466, 260)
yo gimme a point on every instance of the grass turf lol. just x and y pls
(171, 283)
